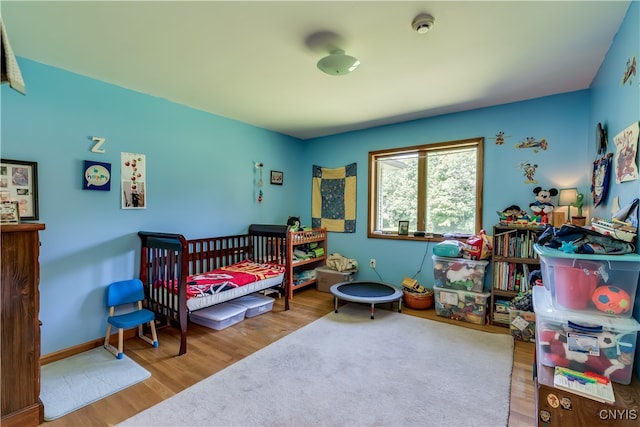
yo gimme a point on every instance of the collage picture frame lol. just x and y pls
(19, 183)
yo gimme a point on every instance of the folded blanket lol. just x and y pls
(231, 276)
(340, 263)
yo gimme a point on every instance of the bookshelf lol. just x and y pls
(512, 260)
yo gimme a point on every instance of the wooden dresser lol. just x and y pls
(20, 351)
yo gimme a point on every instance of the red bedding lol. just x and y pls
(231, 276)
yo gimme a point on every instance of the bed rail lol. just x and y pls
(162, 262)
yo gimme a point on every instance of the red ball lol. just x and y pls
(611, 299)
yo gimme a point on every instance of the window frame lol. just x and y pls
(372, 196)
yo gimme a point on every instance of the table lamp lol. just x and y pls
(578, 200)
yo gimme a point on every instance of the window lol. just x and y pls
(436, 187)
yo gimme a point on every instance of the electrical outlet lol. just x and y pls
(372, 263)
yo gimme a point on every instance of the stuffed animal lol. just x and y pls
(459, 272)
(512, 213)
(294, 223)
(608, 362)
(543, 206)
(554, 349)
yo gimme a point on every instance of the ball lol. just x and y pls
(606, 339)
(611, 299)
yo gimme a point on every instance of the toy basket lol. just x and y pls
(418, 300)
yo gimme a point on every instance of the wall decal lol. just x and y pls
(96, 148)
(529, 171)
(500, 138)
(133, 177)
(626, 149)
(96, 176)
(531, 142)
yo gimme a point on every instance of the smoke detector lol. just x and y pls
(423, 23)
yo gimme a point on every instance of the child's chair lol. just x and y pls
(128, 292)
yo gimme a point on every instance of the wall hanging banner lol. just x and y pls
(600, 179)
(10, 69)
(626, 149)
(133, 177)
(333, 198)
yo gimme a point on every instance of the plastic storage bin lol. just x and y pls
(459, 273)
(522, 325)
(594, 284)
(219, 316)
(254, 304)
(327, 277)
(461, 305)
(601, 344)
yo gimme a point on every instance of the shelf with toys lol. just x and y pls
(308, 249)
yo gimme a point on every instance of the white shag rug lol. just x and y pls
(77, 381)
(348, 370)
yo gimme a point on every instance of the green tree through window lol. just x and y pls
(436, 187)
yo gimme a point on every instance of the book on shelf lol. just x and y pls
(501, 317)
(591, 386)
(511, 276)
(514, 244)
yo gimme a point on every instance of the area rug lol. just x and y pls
(74, 382)
(348, 370)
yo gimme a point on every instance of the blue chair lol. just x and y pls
(128, 292)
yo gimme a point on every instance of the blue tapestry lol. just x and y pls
(333, 198)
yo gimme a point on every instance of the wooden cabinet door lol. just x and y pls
(20, 358)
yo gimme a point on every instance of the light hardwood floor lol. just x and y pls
(210, 351)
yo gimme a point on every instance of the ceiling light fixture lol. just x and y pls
(423, 23)
(338, 63)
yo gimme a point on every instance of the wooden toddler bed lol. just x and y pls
(182, 276)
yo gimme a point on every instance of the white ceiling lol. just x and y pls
(256, 62)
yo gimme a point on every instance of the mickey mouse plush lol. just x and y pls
(542, 206)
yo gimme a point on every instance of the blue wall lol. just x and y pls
(617, 106)
(202, 181)
(560, 119)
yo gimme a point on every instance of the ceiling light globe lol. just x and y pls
(338, 63)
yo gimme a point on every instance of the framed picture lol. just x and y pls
(277, 177)
(133, 180)
(403, 228)
(97, 176)
(19, 183)
(9, 212)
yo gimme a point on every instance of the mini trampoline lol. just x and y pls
(366, 292)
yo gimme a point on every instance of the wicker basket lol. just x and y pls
(418, 301)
